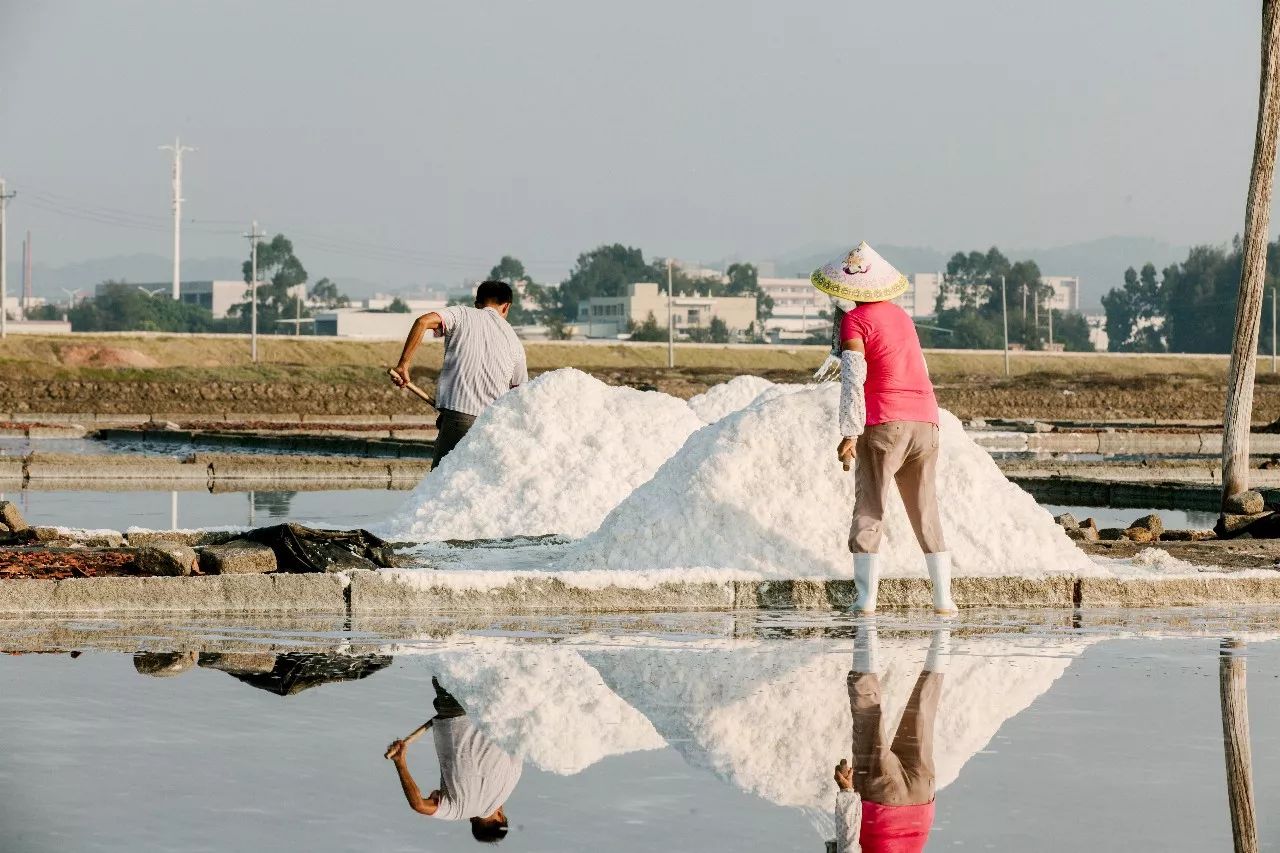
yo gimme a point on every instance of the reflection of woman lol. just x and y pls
(476, 775)
(884, 802)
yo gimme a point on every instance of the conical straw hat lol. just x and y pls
(861, 276)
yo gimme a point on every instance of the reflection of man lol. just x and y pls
(884, 802)
(476, 776)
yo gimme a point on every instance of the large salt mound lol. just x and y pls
(723, 400)
(762, 490)
(553, 456)
(728, 397)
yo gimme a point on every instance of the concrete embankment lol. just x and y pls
(387, 593)
(207, 469)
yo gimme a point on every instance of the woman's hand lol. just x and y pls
(847, 450)
(844, 775)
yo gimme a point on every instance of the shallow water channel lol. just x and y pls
(1051, 732)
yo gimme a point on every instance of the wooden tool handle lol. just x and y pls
(418, 732)
(414, 389)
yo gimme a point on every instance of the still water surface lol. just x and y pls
(718, 736)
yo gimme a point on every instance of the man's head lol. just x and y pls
(494, 294)
(491, 829)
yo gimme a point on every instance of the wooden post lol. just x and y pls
(1235, 742)
(1244, 350)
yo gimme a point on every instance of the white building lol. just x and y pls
(796, 306)
(219, 297)
(360, 323)
(1066, 292)
(417, 306)
(609, 316)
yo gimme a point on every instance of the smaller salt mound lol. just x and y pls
(761, 490)
(553, 456)
(728, 397)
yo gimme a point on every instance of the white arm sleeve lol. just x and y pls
(848, 822)
(853, 402)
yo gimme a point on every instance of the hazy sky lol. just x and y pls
(447, 134)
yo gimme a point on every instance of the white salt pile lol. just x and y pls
(723, 400)
(761, 490)
(553, 456)
(728, 397)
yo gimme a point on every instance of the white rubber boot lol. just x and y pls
(939, 651)
(866, 577)
(939, 566)
(866, 647)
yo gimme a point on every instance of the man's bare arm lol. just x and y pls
(422, 325)
(396, 752)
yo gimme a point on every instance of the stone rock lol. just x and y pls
(1153, 522)
(71, 538)
(1139, 534)
(167, 558)
(1234, 524)
(1186, 535)
(976, 423)
(11, 517)
(1245, 503)
(1085, 531)
(238, 557)
(1067, 521)
(1111, 534)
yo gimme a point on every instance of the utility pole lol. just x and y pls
(1050, 327)
(4, 259)
(671, 328)
(1273, 330)
(1253, 269)
(254, 236)
(26, 275)
(177, 148)
(1004, 313)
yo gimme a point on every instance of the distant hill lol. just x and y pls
(49, 281)
(1099, 263)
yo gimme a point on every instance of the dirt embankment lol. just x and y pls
(1091, 397)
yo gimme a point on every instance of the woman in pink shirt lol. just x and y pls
(888, 419)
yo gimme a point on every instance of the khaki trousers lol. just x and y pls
(901, 773)
(905, 452)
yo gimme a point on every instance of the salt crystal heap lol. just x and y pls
(553, 456)
(762, 490)
(728, 397)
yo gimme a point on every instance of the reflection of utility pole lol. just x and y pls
(4, 258)
(254, 236)
(173, 510)
(177, 148)
(1235, 742)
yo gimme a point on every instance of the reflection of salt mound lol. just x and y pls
(761, 489)
(544, 705)
(774, 722)
(551, 457)
(729, 397)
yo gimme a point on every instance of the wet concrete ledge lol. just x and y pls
(375, 593)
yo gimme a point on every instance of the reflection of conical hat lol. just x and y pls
(861, 276)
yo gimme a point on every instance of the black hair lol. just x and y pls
(488, 831)
(493, 293)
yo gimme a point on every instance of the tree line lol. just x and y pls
(1187, 307)
(969, 311)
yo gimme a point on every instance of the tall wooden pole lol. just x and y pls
(1235, 742)
(1257, 216)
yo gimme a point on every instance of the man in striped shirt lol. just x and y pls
(483, 359)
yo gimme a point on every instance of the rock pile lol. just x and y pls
(1144, 530)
